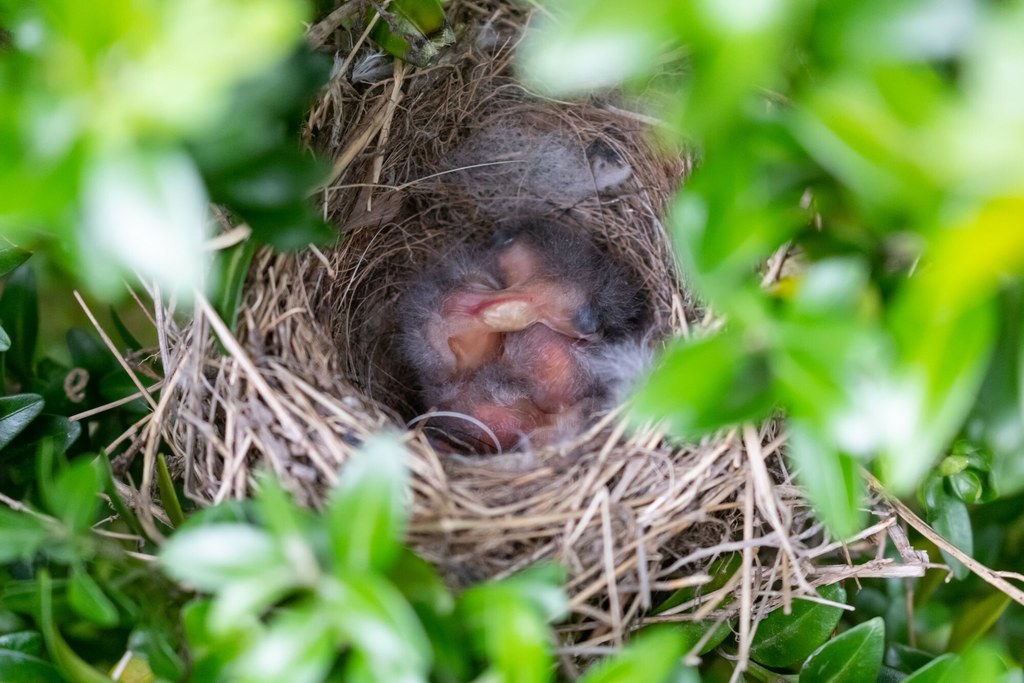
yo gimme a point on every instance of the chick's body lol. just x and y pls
(512, 341)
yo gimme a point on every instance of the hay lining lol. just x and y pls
(311, 372)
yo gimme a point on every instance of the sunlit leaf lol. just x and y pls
(596, 45)
(297, 646)
(375, 619)
(705, 384)
(210, 557)
(785, 639)
(654, 656)
(366, 511)
(830, 478)
(854, 656)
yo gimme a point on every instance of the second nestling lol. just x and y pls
(519, 343)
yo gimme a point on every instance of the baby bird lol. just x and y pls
(518, 340)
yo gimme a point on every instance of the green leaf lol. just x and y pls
(377, 621)
(231, 267)
(412, 30)
(126, 335)
(73, 496)
(26, 642)
(56, 430)
(21, 535)
(830, 479)
(168, 496)
(785, 639)
(88, 599)
(950, 518)
(654, 656)
(976, 620)
(156, 643)
(720, 571)
(366, 513)
(74, 668)
(851, 657)
(297, 646)
(211, 557)
(19, 667)
(509, 633)
(5, 341)
(936, 671)
(19, 316)
(693, 631)
(509, 619)
(11, 257)
(16, 412)
(705, 384)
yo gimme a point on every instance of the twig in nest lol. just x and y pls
(913, 520)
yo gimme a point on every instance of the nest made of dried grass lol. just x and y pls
(310, 372)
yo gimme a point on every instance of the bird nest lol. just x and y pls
(426, 160)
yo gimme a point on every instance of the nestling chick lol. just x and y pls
(519, 341)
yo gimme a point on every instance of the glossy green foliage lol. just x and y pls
(296, 596)
(853, 132)
(854, 656)
(120, 127)
(785, 639)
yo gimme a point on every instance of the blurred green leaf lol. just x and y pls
(596, 45)
(26, 642)
(785, 639)
(19, 667)
(21, 535)
(413, 30)
(88, 599)
(854, 656)
(168, 496)
(653, 656)
(935, 671)
(375, 619)
(53, 429)
(212, 556)
(19, 316)
(73, 496)
(73, 667)
(156, 644)
(508, 621)
(231, 266)
(5, 343)
(830, 478)
(10, 258)
(127, 338)
(16, 413)
(297, 646)
(976, 620)
(705, 384)
(366, 512)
